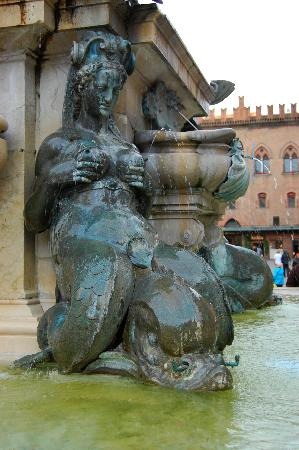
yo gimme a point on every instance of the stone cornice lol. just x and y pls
(273, 228)
(242, 116)
(17, 55)
(22, 37)
(178, 46)
(218, 123)
(151, 32)
(92, 13)
(27, 12)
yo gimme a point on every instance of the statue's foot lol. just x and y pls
(30, 361)
(114, 363)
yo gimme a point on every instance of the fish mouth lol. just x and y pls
(201, 372)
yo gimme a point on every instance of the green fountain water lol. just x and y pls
(45, 410)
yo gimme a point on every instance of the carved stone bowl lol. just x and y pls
(185, 160)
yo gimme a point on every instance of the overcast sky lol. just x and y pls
(253, 43)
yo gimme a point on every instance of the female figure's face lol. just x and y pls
(101, 94)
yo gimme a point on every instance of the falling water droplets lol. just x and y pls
(187, 120)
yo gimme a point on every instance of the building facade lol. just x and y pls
(268, 214)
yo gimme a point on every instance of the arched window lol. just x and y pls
(291, 197)
(232, 223)
(290, 160)
(262, 199)
(262, 163)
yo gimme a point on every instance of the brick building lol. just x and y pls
(269, 212)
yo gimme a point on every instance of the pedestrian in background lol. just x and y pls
(285, 259)
(296, 257)
(293, 278)
(277, 258)
(259, 250)
(278, 277)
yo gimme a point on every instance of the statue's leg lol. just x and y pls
(172, 332)
(99, 282)
(247, 277)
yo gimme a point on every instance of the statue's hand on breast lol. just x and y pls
(91, 164)
(131, 169)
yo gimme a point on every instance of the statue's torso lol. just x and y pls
(102, 210)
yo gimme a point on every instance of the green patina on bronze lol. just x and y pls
(237, 181)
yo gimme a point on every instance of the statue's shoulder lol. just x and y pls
(52, 149)
(55, 142)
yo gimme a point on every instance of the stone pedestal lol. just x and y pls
(188, 220)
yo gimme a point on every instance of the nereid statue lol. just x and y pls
(126, 302)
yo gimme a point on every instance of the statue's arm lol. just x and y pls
(52, 172)
(60, 164)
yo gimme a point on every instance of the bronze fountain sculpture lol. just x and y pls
(127, 303)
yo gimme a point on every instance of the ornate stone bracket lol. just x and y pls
(161, 106)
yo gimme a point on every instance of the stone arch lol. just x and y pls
(265, 147)
(286, 146)
(291, 199)
(290, 158)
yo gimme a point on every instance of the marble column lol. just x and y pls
(23, 28)
(19, 304)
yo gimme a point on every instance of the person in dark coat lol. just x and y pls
(285, 259)
(293, 278)
(296, 258)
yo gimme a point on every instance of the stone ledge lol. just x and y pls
(151, 30)
(18, 326)
(92, 13)
(287, 291)
(14, 347)
(27, 12)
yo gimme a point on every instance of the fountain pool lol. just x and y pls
(44, 410)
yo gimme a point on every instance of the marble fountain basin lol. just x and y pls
(185, 160)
